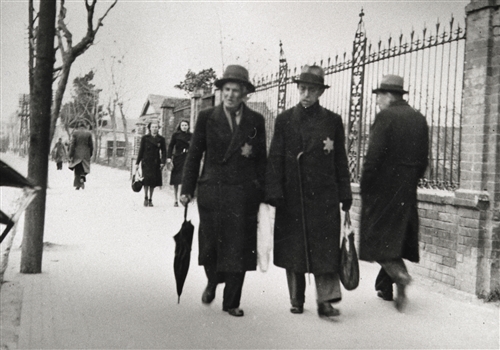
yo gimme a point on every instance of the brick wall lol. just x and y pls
(451, 237)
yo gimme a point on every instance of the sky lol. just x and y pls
(154, 43)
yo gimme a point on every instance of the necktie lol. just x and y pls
(233, 121)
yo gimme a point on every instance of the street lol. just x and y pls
(108, 283)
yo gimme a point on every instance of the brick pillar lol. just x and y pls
(480, 146)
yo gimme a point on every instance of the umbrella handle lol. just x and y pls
(185, 211)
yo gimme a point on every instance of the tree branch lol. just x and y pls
(61, 26)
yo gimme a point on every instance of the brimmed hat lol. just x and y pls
(391, 83)
(312, 75)
(237, 74)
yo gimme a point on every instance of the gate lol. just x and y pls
(432, 66)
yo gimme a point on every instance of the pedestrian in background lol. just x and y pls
(307, 179)
(80, 151)
(152, 155)
(176, 155)
(395, 161)
(59, 154)
(231, 138)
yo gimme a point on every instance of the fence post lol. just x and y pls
(283, 75)
(480, 151)
(356, 100)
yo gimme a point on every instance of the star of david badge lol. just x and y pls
(328, 145)
(246, 150)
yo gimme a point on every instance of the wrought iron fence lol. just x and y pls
(432, 66)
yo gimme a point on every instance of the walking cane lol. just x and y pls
(304, 228)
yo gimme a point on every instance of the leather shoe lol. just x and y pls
(237, 312)
(401, 300)
(385, 295)
(209, 294)
(297, 309)
(327, 310)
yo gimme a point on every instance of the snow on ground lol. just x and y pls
(108, 282)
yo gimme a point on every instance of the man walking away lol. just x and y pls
(395, 161)
(80, 151)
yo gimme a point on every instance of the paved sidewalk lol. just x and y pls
(108, 283)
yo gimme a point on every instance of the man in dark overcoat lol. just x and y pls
(80, 151)
(59, 153)
(231, 138)
(395, 161)
(307, 178)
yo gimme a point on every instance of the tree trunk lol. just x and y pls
(113, 123)
(40, 127)
(61, 88)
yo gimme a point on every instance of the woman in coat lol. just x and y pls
(232, 139)
(177, 153)
(152, 156)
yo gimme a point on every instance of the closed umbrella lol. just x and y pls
(183, 241)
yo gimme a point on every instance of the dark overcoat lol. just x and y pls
(152, 153)
(230, 187)
(319, 134)
(81, 149)
(177, 150)
(395, 161)
(59, 152)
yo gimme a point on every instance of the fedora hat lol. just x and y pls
(312, 75)
(236, 74)
(391, 83)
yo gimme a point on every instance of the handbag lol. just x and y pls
(349, 265)
(136, 182)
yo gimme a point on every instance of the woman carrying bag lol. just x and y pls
(152, 154)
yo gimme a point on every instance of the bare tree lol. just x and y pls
(70, 52)
(116, 103)
(40, 105)
(125, 134)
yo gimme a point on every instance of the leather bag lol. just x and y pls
(136, 182)
(349, 264)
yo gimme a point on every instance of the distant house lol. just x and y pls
(106, 143)
(158, 108)
(169, 112)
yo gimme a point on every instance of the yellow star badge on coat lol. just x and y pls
(246, 150)
(328, 145)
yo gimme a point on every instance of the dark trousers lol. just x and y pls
(232, 289)
(384, 281)
(391, 271)
(79, 175)
(327, 287)
(59, 165)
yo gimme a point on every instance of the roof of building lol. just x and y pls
(157, 102)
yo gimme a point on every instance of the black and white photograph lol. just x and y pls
(249, 174)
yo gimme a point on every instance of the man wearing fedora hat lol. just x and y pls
(231, 140)
(307, 178)
(395, 161)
